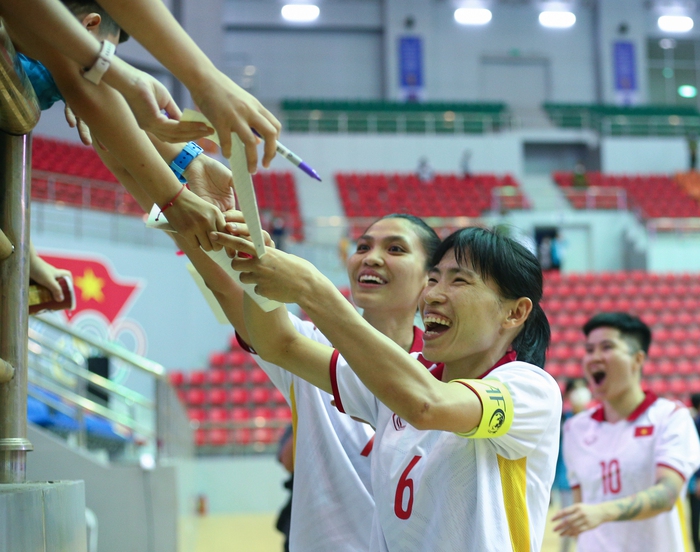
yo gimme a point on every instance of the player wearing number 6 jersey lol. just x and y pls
(332, 503)
(464, 457)
(629, 459)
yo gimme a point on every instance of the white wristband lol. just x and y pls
(99, 68)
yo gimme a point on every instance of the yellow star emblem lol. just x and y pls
(90, 286)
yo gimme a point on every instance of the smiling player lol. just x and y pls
(464, 454)
(629, 459)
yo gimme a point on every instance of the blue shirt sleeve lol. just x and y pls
(44, 86)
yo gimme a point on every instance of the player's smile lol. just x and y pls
(435, 324)
(369, 279)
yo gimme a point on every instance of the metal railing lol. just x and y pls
(19, 113)
(448, 122)
(152, 418)
(597, 197)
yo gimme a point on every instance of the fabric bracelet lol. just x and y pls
(497, 408)
(170, 203)
(95, 73)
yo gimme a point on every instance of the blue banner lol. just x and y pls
(411, 66)
(625, 66)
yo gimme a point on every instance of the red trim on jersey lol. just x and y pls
(575, 487)
(662, 465)
(368, 447)
(510, 356)
(417, 343)
(247, 348)
(649, 398)
(334, 380)
(436, 369)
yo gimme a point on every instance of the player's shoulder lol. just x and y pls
(662, 409)
(524, 373)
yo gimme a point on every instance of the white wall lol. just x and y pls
(643, 155)
(674, 252)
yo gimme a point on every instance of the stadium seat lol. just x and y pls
(196, 377)
(176, 378)
(217, 396)
(195, 397)
(237, 376)
(238, 396)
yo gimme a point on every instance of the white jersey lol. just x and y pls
(332, 504)
(435, 490)
(610, 461)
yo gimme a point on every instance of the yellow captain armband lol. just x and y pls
(497, 408)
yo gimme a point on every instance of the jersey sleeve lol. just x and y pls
(536, 403)
(677, 446)
(567, 444)
(350, 394)
(281, 378)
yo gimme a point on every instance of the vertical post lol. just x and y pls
(15, 163)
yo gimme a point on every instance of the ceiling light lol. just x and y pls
(557, 19)
(687, 91)
(300, 13)
(472, 16)
(675, 23)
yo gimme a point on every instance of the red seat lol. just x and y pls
(216, 360)
(260, 395)
(264, 435)
(242, 436)
(197, 414)
(196, 378)
(216, 377)
(240, 414)
(217, 415)
(238, 396)
(677, 386)
(237, 358)
(257, 376)
(176, 378)
(217, 396)
(218, 437)
(237, 376)
(262, 414)
(195, 397)
(285, 413)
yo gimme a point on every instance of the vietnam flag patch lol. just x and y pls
(643, 431)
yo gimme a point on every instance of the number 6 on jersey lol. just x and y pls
(405, 483)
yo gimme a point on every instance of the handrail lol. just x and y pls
(95, 379)
(90, 406)
(19, 107)
(110, 349)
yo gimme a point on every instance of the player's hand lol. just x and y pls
(211, 181)
(47, 275)
(76, 122)
(578, 518)
(148, 98)
(236, 226)
(231, 109)
(276, 275)
(194, 218)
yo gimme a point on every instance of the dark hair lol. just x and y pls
(427, 236)
(515, 271)
(108, 25)
(574, 383)
(695, 400)
(629, 326)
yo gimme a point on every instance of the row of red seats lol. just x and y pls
(218, 396)
(218, 377)
(220, 437)
(661, 335)
(261, 415)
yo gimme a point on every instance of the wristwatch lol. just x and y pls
(183, 160)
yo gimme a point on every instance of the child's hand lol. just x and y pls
(76, 122)
(47, 275)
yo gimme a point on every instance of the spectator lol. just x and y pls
(279, 232)
(465, 164)
(425, 171)
(580, 180)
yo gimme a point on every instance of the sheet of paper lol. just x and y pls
(242, 182)
(243, 185)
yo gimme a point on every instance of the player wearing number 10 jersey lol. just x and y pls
(629, 459)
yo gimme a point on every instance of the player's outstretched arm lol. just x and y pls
(659, 498)
(226, 105)
(393, 376)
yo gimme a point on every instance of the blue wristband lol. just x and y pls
(183, 160)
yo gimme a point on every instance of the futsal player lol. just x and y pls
(628, 459)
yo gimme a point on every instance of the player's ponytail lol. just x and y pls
(516, 272)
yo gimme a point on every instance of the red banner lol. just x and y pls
(96, 286)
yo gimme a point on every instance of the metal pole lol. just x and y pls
(15, 163)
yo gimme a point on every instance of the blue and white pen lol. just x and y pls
(293, 158)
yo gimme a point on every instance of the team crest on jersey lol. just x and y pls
(399, 424)
(498, 418)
